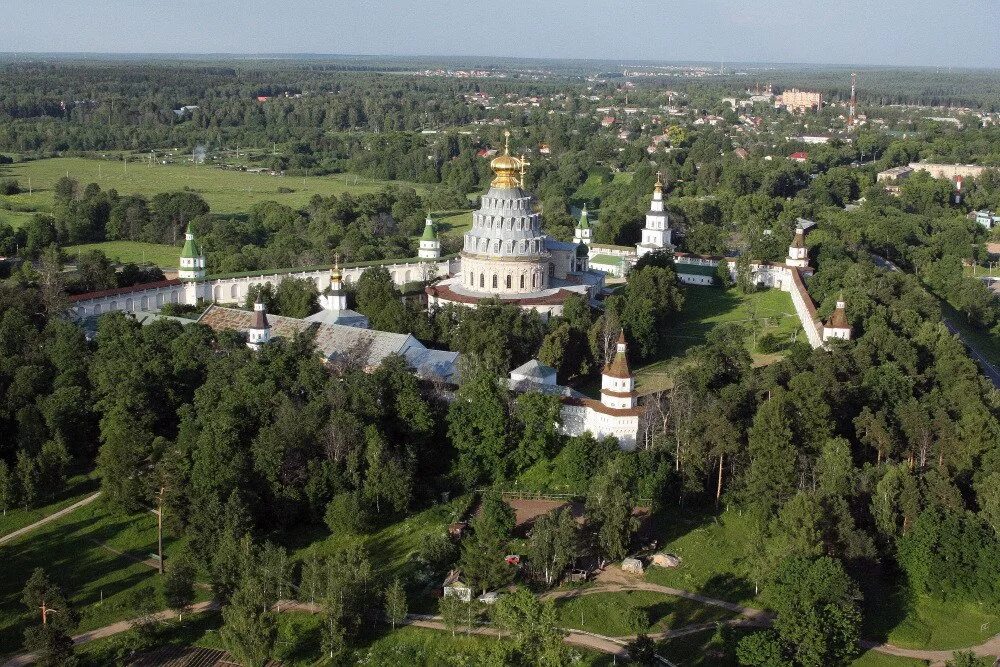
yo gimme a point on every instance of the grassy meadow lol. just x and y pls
(136, 252)
(705, 308)
(77, 488)
(225, 191)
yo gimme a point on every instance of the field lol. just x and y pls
(94, 555)
(136, 252)
(453, 223)
(633, 612)
(225, 191)
(715, 554)
(77, 488)
(705, 308)
(14, 218)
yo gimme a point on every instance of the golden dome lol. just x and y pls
(506, 167)
(335, 274)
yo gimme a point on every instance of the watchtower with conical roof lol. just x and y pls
(430, 245)
(192, 266)
(617, 382)
(798, 254)
(838, 326)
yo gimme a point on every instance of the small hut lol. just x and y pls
(454, 586)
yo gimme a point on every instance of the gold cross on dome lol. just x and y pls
(524, 163)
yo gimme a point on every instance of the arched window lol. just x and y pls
(508, 281)
(482, 280)
(113, 306)
(494, 281)
(233, 291)
(534, 279)
(144, 303)
(406, 276)
(552, 270)
(522, 281)
(472, 279)
(128, 305)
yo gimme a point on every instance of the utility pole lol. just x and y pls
(46, 611)
(159, 528)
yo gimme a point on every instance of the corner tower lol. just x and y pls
(192, 266)
(617, 383)
(798, 254)
(430, 245)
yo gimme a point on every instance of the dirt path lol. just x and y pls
(113, 629)
(607, 583)
(613, 580)
(989, 649)
(52, 517)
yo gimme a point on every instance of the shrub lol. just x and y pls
(9, 186)
(345, 514)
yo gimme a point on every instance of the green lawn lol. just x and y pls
(77, 488)
(225, 191)
(79, 552)
(453, 223)
(715, 554)
(392, 548)
(136, 252)
(14, 218)
(701, 649)
(613, 614)
(705, 308)
(922, 622)
(876, 659)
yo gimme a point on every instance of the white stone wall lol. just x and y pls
(578, 419)
(235, 290)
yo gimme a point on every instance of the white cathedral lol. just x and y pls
(507, 256)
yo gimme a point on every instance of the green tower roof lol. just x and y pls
(584, 219)
(191, 248)
(430, 231)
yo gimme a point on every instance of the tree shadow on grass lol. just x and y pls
(727, 586)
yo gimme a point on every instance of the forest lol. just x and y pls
(868, 467)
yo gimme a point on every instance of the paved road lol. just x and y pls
(989, 370)
(52, 517)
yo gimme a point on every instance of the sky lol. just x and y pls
(959, 33)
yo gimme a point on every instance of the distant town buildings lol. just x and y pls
(800, 100)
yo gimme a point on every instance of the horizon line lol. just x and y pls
(286, 55)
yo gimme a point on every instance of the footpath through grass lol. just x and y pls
(77, 488)
(298, 644)
(135, 252)
(94, 555)
(226, 191)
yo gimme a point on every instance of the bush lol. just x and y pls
(770, 343)
(9, 186)
(345, 514)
